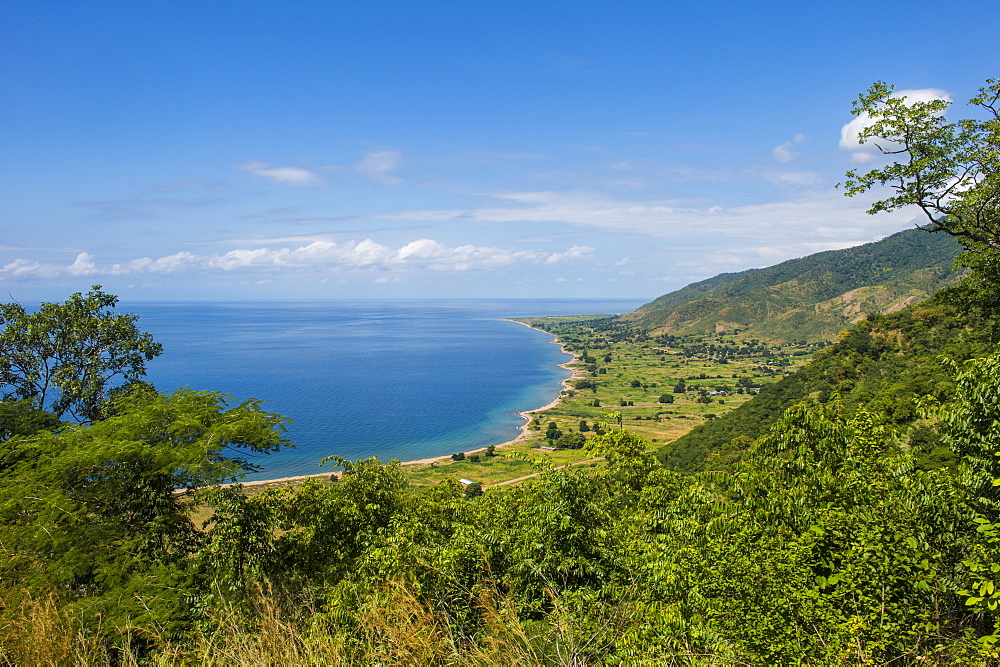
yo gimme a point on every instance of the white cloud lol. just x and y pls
(813, 216)
(576, 252)
(168, 264)
(377, 167)
(419, 255)
(26, 267)
(288, 175)
(796, 178)
(83, 265)
(864, 153)
(784, 152)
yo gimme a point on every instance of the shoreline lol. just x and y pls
(523, 435)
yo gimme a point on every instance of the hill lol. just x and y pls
(882, 365)
(811, 298)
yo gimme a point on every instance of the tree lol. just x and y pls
(96, 512)
(666, 398)
(553, 432)
(571, 441)
(23, 418)
(950, 170)
(69, 357)
(615, 416)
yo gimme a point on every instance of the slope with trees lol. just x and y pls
(811, 298)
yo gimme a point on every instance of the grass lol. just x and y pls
(638, 371)
(512, 461)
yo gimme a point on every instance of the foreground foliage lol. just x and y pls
(825, 544)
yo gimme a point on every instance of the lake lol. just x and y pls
(405, 379)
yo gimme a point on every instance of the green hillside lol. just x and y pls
(811, 298)
(882, 364)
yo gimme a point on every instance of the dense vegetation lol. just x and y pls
(826, 543)
(883, 364)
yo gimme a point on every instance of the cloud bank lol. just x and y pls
(815, 217)
(319, 256)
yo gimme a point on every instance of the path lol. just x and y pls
(536, 474)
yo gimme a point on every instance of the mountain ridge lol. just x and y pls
(811, 298)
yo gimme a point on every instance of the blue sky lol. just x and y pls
(265, 150)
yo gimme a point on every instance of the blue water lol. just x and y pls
(394, 379)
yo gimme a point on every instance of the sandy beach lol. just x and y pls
(524, 434)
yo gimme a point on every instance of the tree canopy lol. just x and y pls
(949, 169)
(69, 357)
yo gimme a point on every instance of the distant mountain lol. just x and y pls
(811, 298)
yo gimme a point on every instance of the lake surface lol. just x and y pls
(404, 379)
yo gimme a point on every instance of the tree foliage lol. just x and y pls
(949, 169)
(68, 357)
(883, 364)
(99, 512)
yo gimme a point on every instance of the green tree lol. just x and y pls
(97, 513)
(553, 432)
(24, 418)
(969, 425)
(571, 441)
(666, 398)
(68, 357)
(949, 169)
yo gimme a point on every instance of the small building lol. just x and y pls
(465, 482)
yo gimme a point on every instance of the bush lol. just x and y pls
(459, 456)
(571, 441)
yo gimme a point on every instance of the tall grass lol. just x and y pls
(395, 629)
